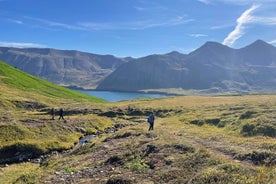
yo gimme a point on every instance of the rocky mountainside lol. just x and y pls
(67, 68)
(213, 68)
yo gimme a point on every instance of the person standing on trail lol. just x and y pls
(53, 113)
(61, 114)
(151, 121)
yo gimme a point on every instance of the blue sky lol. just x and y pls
(135, 27)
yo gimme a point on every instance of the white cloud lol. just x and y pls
(135, 25)
(238, 32)
(55, 24)
(204, 1)
(272, 42)
(89, 26)
(247, 18)
(21, 44)
(221, 26)
(264, 20)
(16, 21)
(198, 35)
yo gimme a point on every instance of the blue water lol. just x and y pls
(112, 96)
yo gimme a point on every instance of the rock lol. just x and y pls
(106, 146)
(81, 130)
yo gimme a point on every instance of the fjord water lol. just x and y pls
(112, 96)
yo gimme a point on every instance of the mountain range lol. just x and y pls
(212, 68)
(63, 67)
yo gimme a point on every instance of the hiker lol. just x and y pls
(53, 113)
(151, 121)
(61, 114)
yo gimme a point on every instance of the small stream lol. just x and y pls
(86, 139)
(29, 157)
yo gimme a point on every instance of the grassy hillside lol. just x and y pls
(16, 84)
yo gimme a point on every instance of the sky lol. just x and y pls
(135, 28)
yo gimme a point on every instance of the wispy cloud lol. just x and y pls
(238, 32)
(92, 26)
(205, 1)
(198, 35)
(272, 42)
(135, 25)
(21, 44)
(15, 21)
(248, 18)
(50, 23)
(264, 20)
(221, 26)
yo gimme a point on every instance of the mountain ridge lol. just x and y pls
(211, 67)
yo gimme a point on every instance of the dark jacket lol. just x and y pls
(151, 118)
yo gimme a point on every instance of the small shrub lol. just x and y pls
(168, 161)
(26, 178)
(125, 135)
(115, 160)
(221, 124)
(118, 181)
(197, 122)
(259, 158)
(266, 130)
(247, 115)
(184, 148)
(150, 149)
(137, 165)
(248, 129)
(69, 169)
(214, 121)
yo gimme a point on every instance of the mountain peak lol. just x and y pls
(261, 43)
(211, 46)
(258, 45)
(174, 53)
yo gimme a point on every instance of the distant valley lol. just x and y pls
(213, 68)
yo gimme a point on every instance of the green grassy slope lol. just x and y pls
(16, 84)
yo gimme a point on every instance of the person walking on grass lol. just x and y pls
(53, 113)
(151, 121)
(61, 114)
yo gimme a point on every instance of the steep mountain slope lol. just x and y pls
(156, 71)
(213, 68)
(68, 68)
